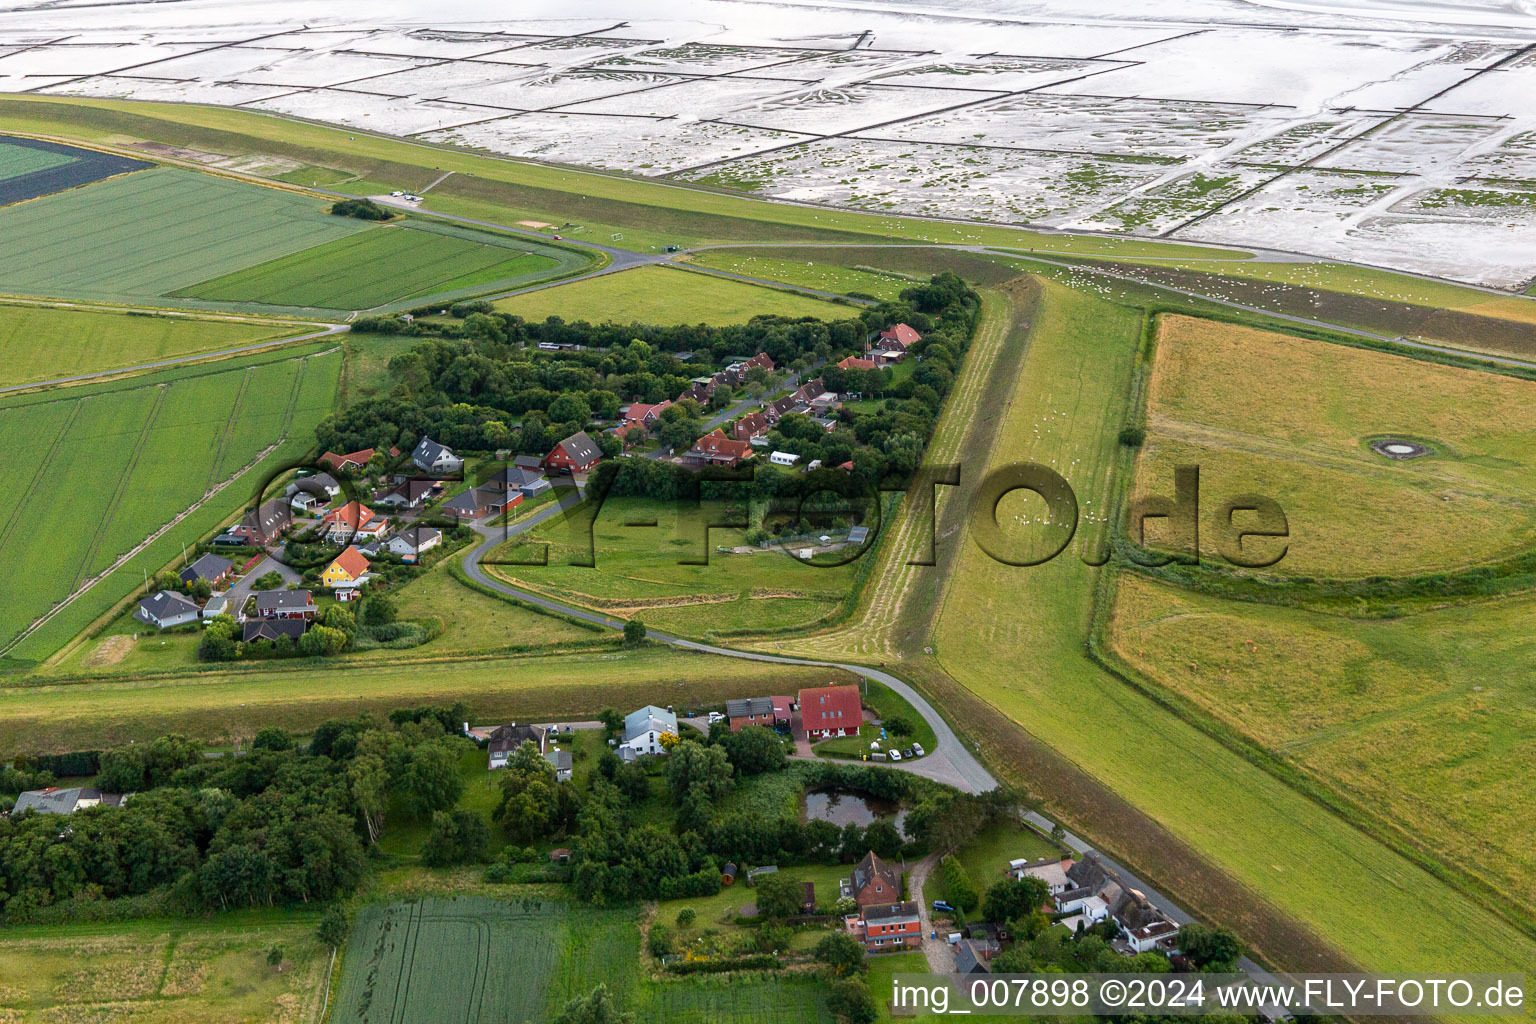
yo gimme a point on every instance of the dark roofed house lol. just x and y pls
(480, 501)
(285, 604)
(411, 544)
(166, 608)
(54, 800)
(264, 524)
(874, 882)
(576, 454)
(412, 493)
(508, 738)
(562, 762)
(272, 629)
(969, 960)
(212, 568)
(431, 457)
(747, 711)
(516, 480)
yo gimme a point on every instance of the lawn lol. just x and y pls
(137, 453)
(42, 342)
(421, 258)
(719, 910)
(664, 295)
(478, 622)
(1015, 637)
(211, 970)
(220, 704)
(1291, 418)
(169, 228)
(637, 570)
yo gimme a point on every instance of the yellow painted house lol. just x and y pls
(348, 567)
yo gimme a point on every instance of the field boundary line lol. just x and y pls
(229, 428)
(123, 559)
(123, 479)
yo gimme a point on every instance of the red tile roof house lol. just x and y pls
(831, 711)
(754, 424)
(576, 454)
(353, 461)
(715, 449)
(353, 521)
(857, 363)
(640, 416)
(897, 339)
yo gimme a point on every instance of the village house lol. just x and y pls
(412, 493)
(746, 711)
(410, 544)
(971, 958)
(347, 572)
(891, 926)
(891, 344)
(265, 523)
(753, 424)
(576, 454)
(639, 419)
(857, 363)
(516, 480)
(272, 630)
(477, 502)
(431, 457)
(505, 739)
(563, 764)
(211, 569)
(55, 800)
(643, 731)
(285, 604)
(873, 882)
(1052, 871)
(715, 449)
(353, 521)
(830, 711)
(349, 463)
(166, 608)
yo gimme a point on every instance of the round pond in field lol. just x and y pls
(845, 807)
(1399, 448)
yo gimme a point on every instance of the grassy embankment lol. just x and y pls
(664, 295)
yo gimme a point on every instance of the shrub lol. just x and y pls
(1133, 437)
(362, 209)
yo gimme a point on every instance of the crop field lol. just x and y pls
(135, 454)
(172, 228)
(637, 572)
(365, 270)
(1292, 418)
(40, 342)
(30, 168)
(1303, 860)
(217, 703)
(661, 295)
(164, 971)
(1418, 721)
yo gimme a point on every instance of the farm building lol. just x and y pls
(576, 454)
(874, 882)
(210, 568)
(644, 729)
(347, 570)
(431, 457)
(264, 524)
(747, 711)
(347, 463)
(54, 800)
(272, 629)
(285, 604)
(410, 544)
(166, 608)
(830, 711)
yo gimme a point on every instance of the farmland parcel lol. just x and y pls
(30, 168)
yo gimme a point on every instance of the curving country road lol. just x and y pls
(949, 762)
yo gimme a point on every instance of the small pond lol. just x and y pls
(845, 807)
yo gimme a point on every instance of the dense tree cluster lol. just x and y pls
(276, 825)
(481, 383)
(362, 209)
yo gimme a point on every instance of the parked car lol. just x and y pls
(943, 905)
(715, 716)
(908, 753)
(917, 748)
(895, 755)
